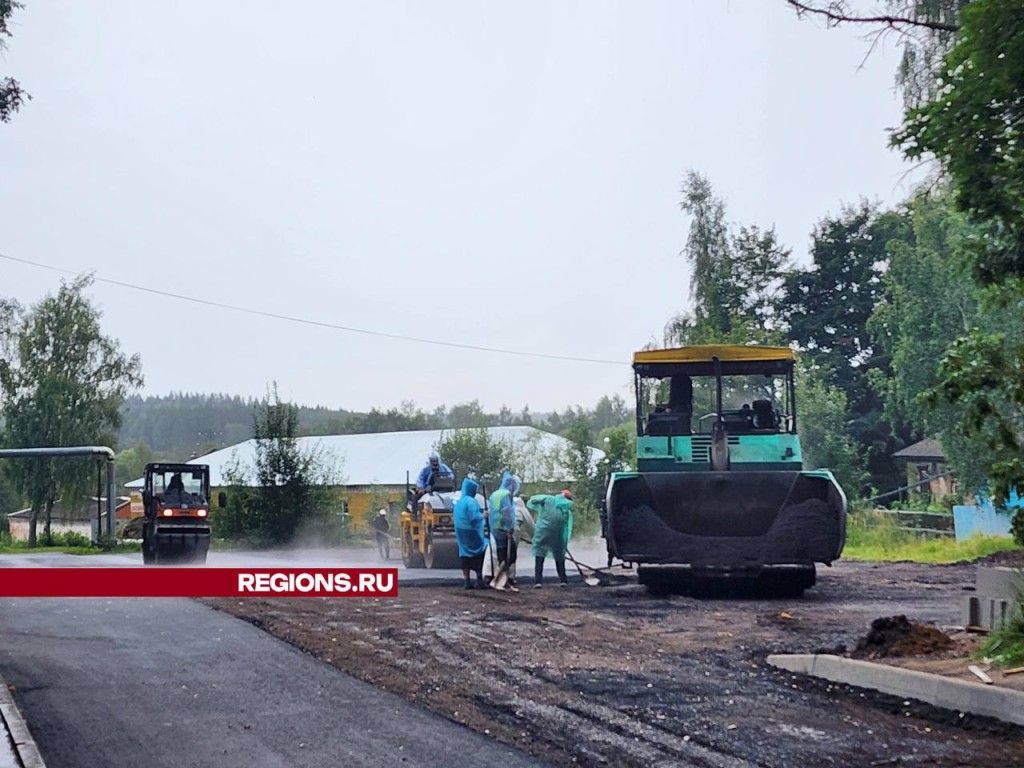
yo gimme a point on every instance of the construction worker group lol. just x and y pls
(508, 521)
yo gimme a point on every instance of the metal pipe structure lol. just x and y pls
(718, 387)
(80, 450)
(903, 488)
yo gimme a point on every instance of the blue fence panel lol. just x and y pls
(984, 518)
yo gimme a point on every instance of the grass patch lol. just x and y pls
(870, 539)
(77, 545)
(119, 549)
(1004, 645)
(248, 544)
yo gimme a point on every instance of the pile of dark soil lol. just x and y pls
(897, 636)
(1013, 558)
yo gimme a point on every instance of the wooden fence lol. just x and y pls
(919, 523)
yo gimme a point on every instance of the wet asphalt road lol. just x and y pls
(170, 682)
(589, 552)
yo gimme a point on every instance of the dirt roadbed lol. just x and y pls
(612, 676)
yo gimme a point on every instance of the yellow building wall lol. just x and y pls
(363, 505)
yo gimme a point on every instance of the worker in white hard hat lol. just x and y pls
(382, 528)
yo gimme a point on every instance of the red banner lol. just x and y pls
(154, 581)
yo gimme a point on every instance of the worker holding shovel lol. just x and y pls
(503, 526)
(382, 528)
(551, 533)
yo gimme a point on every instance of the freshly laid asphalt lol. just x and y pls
(170, 682)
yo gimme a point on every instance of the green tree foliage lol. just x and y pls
(586, 481)
(63, 384)
(826, 310)
(560, 422)
(760, 264)
(130, 464)
(824, 425)
(10, 499)
(924, 50)
(12, 95)
(469, 415)
(404, 419)
(534, 460)
(619, 446)
(981, 377)
(476, 453)
(610, 412)
(746, 290)
(707, 250)
(182, 424)
(928, 301)
(984, 374)
(291, 496)
(578, 456)
(826, 307)
(973, 126)
(737, 278)
(926, 30)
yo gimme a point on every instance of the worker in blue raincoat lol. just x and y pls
(469, 533)
(503, 522)
(434, 468)
(551, 533)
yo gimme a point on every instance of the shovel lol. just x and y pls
(597, 577)
(500, 580)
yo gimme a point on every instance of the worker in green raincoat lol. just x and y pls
(551, 532)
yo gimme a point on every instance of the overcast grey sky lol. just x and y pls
(500, 174)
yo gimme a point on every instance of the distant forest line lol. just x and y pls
(176, 426)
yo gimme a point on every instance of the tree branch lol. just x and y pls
(837, 13)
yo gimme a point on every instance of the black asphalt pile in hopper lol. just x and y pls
(801, 533)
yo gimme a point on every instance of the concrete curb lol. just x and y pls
(1001, 703)
(25, 750)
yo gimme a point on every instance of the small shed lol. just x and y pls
(926, 464)
(81, 519)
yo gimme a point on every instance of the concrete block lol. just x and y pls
(995, 599)
(998, 581)
(1004, 704)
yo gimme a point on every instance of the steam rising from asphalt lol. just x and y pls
(589, 551)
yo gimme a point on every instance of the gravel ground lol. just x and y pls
(613, 676)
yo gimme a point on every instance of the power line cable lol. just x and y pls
(318, 323)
